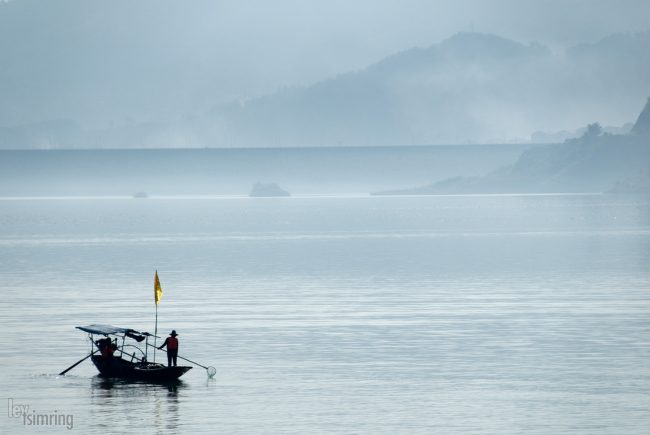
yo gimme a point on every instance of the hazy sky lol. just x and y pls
(279, 42)
(239, 49)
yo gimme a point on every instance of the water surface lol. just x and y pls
(497, 314)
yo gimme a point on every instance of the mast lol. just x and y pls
(155, 335)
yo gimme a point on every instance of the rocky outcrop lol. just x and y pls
(595, 162)
(267, 190)
(642, 125)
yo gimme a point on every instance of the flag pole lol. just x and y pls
(155, 335)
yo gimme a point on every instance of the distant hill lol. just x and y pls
(469, 88)
(595, 162)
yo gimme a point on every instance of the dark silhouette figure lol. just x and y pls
(172, 348)
(106, 347)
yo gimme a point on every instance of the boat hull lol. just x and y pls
(116, 367)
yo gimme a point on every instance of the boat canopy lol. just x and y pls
(108, 329)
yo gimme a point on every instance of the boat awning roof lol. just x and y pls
(108, 329)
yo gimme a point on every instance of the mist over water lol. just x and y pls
(234, 171)
(361, 314)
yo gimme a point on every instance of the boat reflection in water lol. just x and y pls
(124, 385)
(110, 397)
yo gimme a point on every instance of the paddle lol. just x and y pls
(77, 363)
(210, 370)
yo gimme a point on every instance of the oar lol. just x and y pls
(77, 363)
(210, 370)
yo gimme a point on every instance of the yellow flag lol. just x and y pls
(157, 289)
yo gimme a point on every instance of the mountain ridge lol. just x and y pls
(468, 88)
(471, 87)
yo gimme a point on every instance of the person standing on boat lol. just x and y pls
(172, 348)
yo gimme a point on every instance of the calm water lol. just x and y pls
(492, 314)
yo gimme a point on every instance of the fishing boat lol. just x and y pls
(119, 358)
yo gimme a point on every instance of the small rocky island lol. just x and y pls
(267, 190)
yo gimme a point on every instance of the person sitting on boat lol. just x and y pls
(172, 348)
(106, 347)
